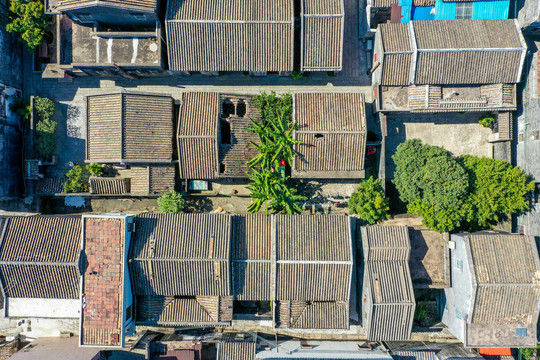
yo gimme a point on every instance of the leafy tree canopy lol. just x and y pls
(448, 193)
(369, 202)
(171, 202)
(29, 21)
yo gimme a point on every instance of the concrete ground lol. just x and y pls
(429, 260)
(458, 133)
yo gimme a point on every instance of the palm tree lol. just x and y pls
(268, 188)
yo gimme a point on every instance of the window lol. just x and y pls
(459, 264)
(521, 332)
(459, 315)
(129, 312)
(464, 10)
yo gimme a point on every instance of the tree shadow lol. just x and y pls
(198, 204)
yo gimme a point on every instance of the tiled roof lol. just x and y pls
(233, 156)
(49, 186)
(175, 311)
(303, 242)
(184, 254)
(322, 35)
(452, 52)
(313, 315)
(204, 155)
(108, 186)
(414, 355)
(332, 128)
(252, 257)
(102, 289)
(388, 297)
(129, 127)
(38, 257)
(238, 35)
(148, 5)
(236, 350)
(197, 135)
(506, 270)
(152, 180)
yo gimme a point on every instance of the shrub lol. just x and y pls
(369, 202)
(46, 145)
(21, 107)
(44, 107)
(297, 74)
(94, 169)
(46, 126)
(487, 120)
(77, 180)
(171, 202)
(78, 177)
(29, 22)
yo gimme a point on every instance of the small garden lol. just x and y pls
(270, 187)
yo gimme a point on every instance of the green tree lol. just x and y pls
(46, 145)
(369, 202)
(94, 169)
(497, 188)
(21, 107)
(29, 21)
(275, 131)
(77, 180)
(44, 107)
(171, 202)
(271, 190)
(448, 193)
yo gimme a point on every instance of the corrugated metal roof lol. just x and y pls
(230, 36)
(129, 127)
(322, 35)
(238, 350)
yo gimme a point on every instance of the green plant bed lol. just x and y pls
(487, 121)
(426, 314)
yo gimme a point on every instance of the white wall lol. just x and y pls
(43, 308)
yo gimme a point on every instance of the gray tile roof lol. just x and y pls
(387, 298)
(184, 254)
(197, 135)
(332, 128)
(452, 52)
(152, 180)
(202, 152)
(322, 35)
(39, 257)
(175, 311)
(108, 186)
(129, 128)
(313, 315)
(383, 3)
(252, 257)
(506, 296)
(221, 35)
(236, 350)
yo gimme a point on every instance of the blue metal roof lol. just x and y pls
(446, 10)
